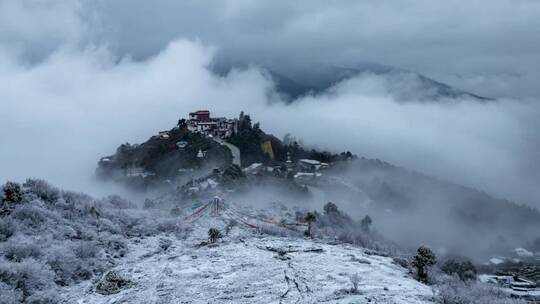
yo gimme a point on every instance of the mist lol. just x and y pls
(63, 113)
(421, 118)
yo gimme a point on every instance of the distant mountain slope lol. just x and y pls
(295, 82)
(415, 208)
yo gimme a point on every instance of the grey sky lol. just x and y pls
(490, 47)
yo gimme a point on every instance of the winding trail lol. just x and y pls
(234, 150)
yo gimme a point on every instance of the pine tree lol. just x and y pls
(330, 208)
(365, 223)
(12, 193)
(423, 259)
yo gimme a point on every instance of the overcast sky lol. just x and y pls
(77, 78)
(489, 47)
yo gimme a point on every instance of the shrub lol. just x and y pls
(330, 208)
(118, 202)
(28, 277)
(76, 199)
(116, 246)
(9, 294)
(401, 262)
(7, 229)
(276, 231)
(106, 225)
(168, 226)
(230, 225)
(17, 251)
(69, 269)
(12, 193)
(43, 297)
(464, 269)
(164, 244)
(176, 212)
(452, 290)
(85, 250)
(355, 280)
(30, 215)
(43, 190)
(149, 204)
(299, 216)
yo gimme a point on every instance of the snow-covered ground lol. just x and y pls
(245, 267)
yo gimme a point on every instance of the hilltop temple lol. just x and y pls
(202, 122)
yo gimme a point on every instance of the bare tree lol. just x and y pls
(355, 280)
(310, 218)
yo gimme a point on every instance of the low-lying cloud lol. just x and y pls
(61, 114)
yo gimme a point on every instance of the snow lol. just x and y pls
(523, 252)
(252, 167)
(310, 161)
(515, 287)
(306, 174)
(244, 267)
(496, 261)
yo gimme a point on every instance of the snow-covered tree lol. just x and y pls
(423, 259)
(365, 223)
(12, 193)
(213, 235)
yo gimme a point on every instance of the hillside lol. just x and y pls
(58, 246)
(159, 161)
(412, 206)
(408, 206)
(172, 158)
(246, 268)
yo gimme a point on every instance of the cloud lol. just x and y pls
(488, 47)
(61, 115)
(451, 41)
(32, 30)
(79, 78)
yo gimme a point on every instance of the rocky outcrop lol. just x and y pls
(112, 283)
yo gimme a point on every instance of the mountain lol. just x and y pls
(407, 206)
(294, 82)
(175, 156)
(58, 246)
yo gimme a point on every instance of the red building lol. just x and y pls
(200, 121)
(202, 116)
